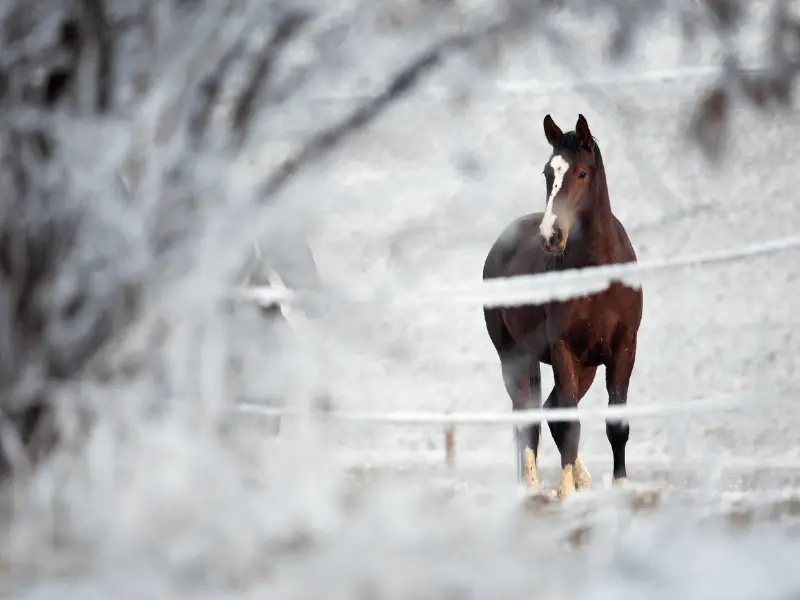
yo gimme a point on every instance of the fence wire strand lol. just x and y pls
(540, 289)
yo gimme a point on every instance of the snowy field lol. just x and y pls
(355, 511)
(404, 215)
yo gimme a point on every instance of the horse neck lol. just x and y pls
(598, 220)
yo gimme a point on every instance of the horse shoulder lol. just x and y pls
(510, 243)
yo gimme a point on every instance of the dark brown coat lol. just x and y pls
(576, 336)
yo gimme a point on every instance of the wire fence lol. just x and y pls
(537, 289)
(530, 86)
(530, 290)
(527, 417)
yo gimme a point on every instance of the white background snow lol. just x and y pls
(172, 509)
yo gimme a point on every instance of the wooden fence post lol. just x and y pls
(450, 445)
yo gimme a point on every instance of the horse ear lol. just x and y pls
(582, 129)
(551, 131)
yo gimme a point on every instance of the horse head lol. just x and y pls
(572, 174)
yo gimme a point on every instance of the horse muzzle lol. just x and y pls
(556, 242)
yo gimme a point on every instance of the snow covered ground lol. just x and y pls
(415, 201)
(404, 214)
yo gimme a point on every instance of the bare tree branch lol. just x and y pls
(102, 31)
(290, 26)
(399, 86)
(208, 96)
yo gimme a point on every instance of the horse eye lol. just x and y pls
(582, 174)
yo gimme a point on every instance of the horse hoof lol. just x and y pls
(620, 481)
(583, 478)
(533, 484)
(531, 476)
(566, 486)
(564, 491)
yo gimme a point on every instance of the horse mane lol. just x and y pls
(572, 143)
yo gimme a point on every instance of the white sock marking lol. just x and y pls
(560, 169)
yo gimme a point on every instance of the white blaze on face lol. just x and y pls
(560, 169)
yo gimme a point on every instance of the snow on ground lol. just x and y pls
(404, 214)
(417, 200)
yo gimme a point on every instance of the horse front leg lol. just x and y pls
(566, 434)
(618, 376)
(583, 478)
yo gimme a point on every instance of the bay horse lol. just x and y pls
(575, 336)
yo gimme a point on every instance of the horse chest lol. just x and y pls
(586, 327)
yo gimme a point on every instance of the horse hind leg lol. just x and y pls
(523, 382)
(618, 375)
